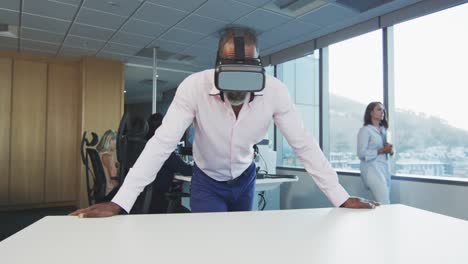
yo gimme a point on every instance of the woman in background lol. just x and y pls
(373, 150)
(106, 148)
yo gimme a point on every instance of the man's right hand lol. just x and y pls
(98, 210)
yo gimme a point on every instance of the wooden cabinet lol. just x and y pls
(45, 104)
(28, 132)
(63, 126)
(5, 112)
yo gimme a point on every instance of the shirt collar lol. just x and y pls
(381, 129)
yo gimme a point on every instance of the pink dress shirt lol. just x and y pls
(223, 145)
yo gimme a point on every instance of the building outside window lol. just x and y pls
(301, 76)
(431, 124)
(270, 70)
(355, 80)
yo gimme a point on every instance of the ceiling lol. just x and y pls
(139, 83)
(184, 31)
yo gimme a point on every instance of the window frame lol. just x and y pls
(385, 23)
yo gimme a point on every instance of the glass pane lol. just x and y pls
(138, 91)
(355, 80)
(270, 70)
(431, 128)
(301, 76)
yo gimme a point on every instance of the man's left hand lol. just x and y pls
(359, 203)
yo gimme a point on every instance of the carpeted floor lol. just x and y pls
(13, 221)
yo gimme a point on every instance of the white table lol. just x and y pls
(260, 184)
(391, 234)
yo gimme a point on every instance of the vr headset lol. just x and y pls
(239, 74)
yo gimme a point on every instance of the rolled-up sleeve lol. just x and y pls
(306, 148)
(363, 151)
(179, 116)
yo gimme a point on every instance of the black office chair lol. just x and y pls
(130, 143)
(174, 196)
(95, 178)
(131, 140)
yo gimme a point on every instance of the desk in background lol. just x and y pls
(261, 185)
(393, 234)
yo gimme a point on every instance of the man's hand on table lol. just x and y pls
(359, 203)
(98, 210)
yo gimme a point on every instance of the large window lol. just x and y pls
(270, 70)
(431, 124)
(301, 76)
(355, 80)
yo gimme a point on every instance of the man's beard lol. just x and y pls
(236, 98)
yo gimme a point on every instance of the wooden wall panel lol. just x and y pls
(43, 113)
(103, 92)
(63, 129)
(102, 107)
(28, 129)
(5, 112)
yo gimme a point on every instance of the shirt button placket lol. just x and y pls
(233, 139)
(232, 122)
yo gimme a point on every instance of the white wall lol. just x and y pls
(447, 199)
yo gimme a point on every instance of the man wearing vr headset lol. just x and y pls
(231, 108)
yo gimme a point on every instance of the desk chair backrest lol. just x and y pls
(130, 143)
(135, 144)
(100, 184)
(131, 140)
(95, 178)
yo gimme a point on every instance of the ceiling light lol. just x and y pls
(284, 3)
(8, 31)
(295, 8)
(113, 4)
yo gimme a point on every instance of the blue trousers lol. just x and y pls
(209, 195)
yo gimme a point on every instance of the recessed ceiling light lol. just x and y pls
(125, 91)
(8, 31)
(114, 4)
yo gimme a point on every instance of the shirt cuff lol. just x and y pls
(337, 195)
(124, 199)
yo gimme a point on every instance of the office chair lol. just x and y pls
(174, 196)
(95, 178)
(131, 140)
(130, 143)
